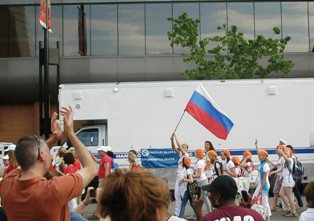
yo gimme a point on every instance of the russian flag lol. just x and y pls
(204, 109)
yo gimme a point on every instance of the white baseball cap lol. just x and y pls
(282, 141)
(104, 148)
(10, 147)
(5, 157)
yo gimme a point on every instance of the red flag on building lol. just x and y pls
(42, 16)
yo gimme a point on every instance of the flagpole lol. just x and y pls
(179, 121)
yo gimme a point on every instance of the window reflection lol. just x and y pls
(311, 19)
(267, 16)
(157, 27)
(241, 15)
(212, 16)
(131, 29)
(70, 22)
(192, 10)
(56, 27)
(294, 22)
(104, 39)
(17, 31)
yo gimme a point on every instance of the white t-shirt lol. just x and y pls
(285, 171)
(307, 215)
(180, 164)
(200, 164)
(228, 166)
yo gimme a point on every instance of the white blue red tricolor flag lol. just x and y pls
(204, 109)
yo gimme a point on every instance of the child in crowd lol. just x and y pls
(278, 172)
(288, 183)
(262, 189)
(217, 166)
(228, 165)
(308, 215)
(237, 169)
(187, 178)
(247, 164)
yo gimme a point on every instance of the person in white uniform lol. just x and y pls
(182, 151)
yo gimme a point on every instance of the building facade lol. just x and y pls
(127, 40)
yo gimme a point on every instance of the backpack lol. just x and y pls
(220, 168)
(297, 170)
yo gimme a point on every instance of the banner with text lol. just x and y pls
(159, 158)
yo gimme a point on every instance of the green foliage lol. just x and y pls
(233, 56)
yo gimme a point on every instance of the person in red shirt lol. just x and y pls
(68, 166)
(105, 163)
(133, 162)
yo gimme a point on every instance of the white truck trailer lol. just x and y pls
(143, 115)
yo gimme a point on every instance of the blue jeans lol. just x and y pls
(76, 217)
(185, 199)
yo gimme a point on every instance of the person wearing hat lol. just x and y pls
(217, 166)
(187, 179)
(228, 165)
(181, 151)
(200, 176)
(263, 185)
(247, 164)
(105, 163)
(222, 194)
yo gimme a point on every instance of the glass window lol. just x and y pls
(157, 27)
(212, 16)
(311, 18)
(89, 137)
(192, 9)
(71, 32)
(267, 16)
(295, 24)
(131, 29)
(17, 38)
(241, 15)
(104, 33)
(56, 28)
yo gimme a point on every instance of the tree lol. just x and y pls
(233, 56)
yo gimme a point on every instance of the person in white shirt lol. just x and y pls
(228, 165)
(308, 215)
(181, 151)
(279, 178)
(200, 176)
(287, 183)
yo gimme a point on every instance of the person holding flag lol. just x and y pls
(182, 152)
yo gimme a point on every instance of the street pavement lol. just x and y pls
(189, 215)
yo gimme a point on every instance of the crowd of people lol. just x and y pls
(58, 187)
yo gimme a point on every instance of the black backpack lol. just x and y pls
(216, 168)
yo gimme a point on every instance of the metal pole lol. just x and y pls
(58, 73)
(40, 91)
(46, 77)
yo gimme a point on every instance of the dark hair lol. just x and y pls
(309, 194)
(211, 146)
(27, 150)
(68, 158)
(133, 196)
(290, 147)
(111, 154)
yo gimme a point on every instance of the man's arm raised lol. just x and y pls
(89, 169)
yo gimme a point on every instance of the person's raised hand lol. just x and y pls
(67, 114)
(55, 126)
